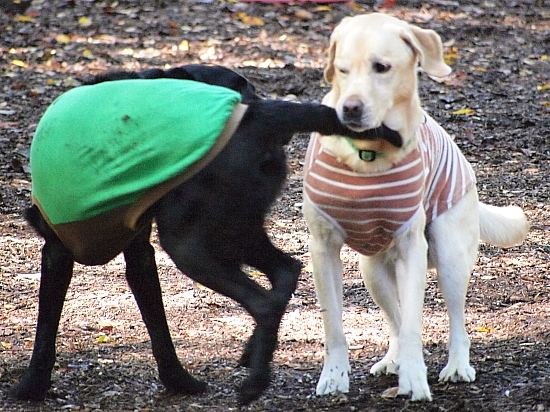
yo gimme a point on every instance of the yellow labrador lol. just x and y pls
(420, 209)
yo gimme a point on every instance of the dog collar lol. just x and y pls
(383, 132)
(365, 155)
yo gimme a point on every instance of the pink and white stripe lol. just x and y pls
(371, 210)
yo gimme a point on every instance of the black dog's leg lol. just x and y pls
(142, 276)
(281, 270)
(57, 270)
(196, 259)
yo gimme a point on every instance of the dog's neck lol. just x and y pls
(371, 155)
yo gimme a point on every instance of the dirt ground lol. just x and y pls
(496, 104)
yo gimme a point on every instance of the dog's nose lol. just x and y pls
(353, 109)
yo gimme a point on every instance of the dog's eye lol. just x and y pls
(381, 67)
(343, 71)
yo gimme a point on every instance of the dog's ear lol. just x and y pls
(329, 70)
(429, 48)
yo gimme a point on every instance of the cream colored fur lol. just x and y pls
(361, 49)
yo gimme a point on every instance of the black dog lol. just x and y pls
(210, 225)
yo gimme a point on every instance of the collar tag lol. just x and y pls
(367, 155)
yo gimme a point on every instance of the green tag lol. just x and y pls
(367, 155)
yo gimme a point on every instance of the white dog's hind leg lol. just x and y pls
(379, 277)
(453, 242)
(325, 246)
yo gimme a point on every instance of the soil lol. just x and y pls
(496, 104)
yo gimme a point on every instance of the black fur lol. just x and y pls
(215, 75)
(210, 226)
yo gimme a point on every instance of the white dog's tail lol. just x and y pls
(502, 226)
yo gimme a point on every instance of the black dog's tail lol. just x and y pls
(36, 220)
(286, 118)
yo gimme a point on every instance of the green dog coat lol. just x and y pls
(103, 154)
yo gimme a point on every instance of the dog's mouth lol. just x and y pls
(378, 133)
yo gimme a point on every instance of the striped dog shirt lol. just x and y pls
(371, 210)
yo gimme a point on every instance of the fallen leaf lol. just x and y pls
(257, 273)
(62, 38)
(464, 111)
(303, 14)
(103, 339)
(202, 287)
(88, 54)
(85, 22)
(23, 19)
(184, 45)
(451, 58)
(355, 7)
(388, 4)
(19, 63)
(250, 20)
(484, 330)
(390, 393)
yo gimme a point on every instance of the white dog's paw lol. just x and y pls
(413, 381)
(457, 373)
(333, 379)
(385, 366)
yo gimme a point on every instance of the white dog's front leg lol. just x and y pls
(325, 248)
(379, 276)
(411, 268)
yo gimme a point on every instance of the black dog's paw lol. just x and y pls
(182, 383)
(252, 389)
(30, 389)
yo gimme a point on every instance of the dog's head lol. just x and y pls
(372, 67)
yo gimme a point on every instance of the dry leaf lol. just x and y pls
(84, 22)
(303, 14)
(19, 63)
(202, 287)
(464, 111)
(184, 45)
(484, 330)
(250, 20)
(388, 4)
(257, 273)
(23, 19)
(62, 38)
(390, 393)
(88, 54)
